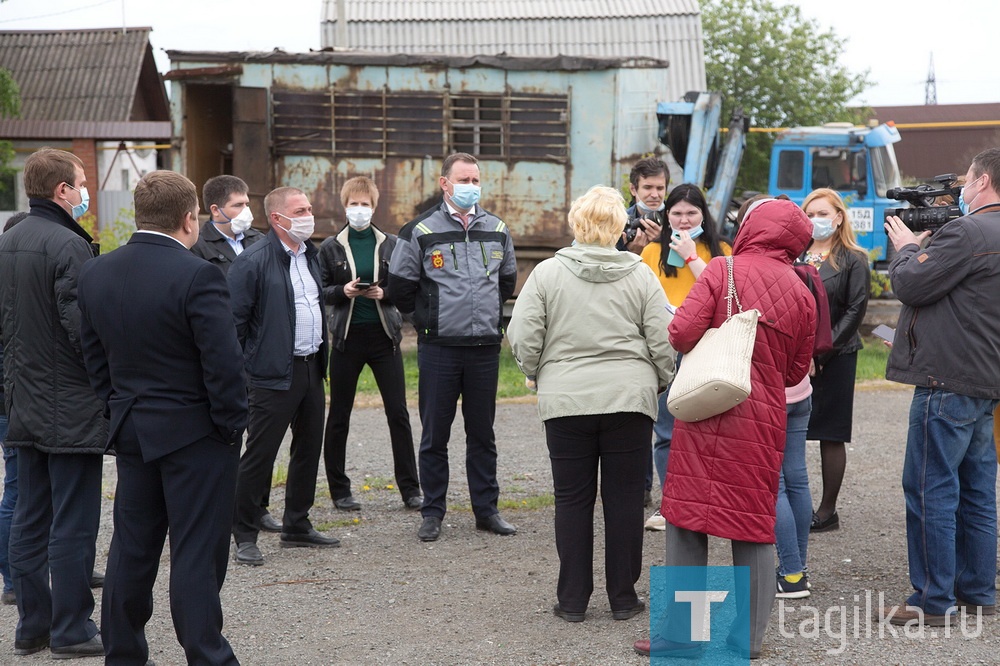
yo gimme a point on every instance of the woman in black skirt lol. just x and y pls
(843, 266)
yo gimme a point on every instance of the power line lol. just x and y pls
(67, 11)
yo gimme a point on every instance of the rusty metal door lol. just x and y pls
(252, 147)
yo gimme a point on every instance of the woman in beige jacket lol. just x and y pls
(590, 328)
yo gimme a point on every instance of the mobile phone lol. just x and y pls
(363, 285)
(884, 332)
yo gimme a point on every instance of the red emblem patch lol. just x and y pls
(437, 259)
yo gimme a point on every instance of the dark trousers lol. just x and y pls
(190, 492)
(618, 445)
(368, 344)
(53, 536)
(271, 412)
(445, 374)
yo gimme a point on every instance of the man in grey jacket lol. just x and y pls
(453, 267)
(947, 344)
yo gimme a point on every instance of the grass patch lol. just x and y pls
(510, 384)
(344, 522)
(871, 360)
(279, 476)
(375, 483)
(529, 503)
(871, 365)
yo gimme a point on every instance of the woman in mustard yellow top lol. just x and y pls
(685, 247)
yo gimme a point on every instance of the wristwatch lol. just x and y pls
(691, 258)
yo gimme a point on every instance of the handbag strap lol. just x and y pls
(731, 294)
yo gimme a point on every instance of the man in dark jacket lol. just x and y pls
(947, 345)
(55, 419)
(227, 232)
(178, 409)
(223, 238)
(276, 294)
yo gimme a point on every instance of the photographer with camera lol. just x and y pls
(947, 345)
(648, 183)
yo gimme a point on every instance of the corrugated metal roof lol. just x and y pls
(668, 30)
(76, 75)
(101, 131)
(449, 10)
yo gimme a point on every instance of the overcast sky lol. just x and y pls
(893, 40)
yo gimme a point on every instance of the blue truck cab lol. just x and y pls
(857, 162)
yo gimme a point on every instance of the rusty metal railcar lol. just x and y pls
(545, 129)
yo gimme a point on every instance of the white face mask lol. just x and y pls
(241, 222)
(359, 217)
(302, 227)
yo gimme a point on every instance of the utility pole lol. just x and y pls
(930, 89)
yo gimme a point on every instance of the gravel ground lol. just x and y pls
(475, 598)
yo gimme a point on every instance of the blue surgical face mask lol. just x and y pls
(465, 195)
(962, 205)
(646, 208)
(822, 228)
(80, 209)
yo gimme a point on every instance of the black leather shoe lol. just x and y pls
(414, 502)
(558, 611)
(628, 613)
(248, 553)
(831, 523)
(8, 598)
(430, 529)
(269, 524)
(311, 539)
(91, 648)
(347, 503)
(495, 524)
(96, 580)
(23, 646)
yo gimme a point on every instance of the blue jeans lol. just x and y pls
(7, 505)
(794, 510)
(663, 432)
(949, 483)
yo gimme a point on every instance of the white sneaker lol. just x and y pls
(656, 522)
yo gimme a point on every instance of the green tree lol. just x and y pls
(10, 107)
(781, 67)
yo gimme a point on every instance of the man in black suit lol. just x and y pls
(161, 349)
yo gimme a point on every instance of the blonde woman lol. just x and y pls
(843, 267)
(590, 328)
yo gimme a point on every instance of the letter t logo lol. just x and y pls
(701, 610)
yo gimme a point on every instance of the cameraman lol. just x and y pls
(948, 346)
(648, 182)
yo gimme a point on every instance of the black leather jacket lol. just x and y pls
(337, 265)
(847, 289)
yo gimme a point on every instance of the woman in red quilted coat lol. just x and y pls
(723, 474)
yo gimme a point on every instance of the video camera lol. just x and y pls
(924, 214)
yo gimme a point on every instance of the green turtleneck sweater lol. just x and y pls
(363, 248)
